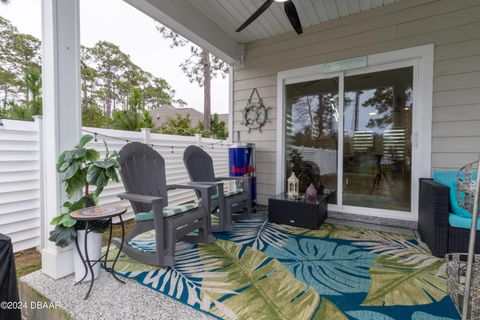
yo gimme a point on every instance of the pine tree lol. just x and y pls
(200, 67)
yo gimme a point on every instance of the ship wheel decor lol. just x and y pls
(255, 114)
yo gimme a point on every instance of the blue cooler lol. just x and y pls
(241, 162)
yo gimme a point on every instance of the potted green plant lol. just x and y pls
(82, 169)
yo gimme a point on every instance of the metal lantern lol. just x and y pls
(293, 186)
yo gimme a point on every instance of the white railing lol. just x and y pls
(20, 175)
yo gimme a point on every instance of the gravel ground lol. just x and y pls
(110, 299)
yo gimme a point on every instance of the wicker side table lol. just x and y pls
(92, 214)
(299, 213)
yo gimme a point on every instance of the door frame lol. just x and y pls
(421, 59)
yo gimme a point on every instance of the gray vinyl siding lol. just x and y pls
(452, 26)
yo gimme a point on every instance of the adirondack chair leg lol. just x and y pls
(227, 218)
(161, 226)
(170, 239)
(205, 233)
(249, 209)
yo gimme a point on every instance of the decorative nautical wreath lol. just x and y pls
(255, 114)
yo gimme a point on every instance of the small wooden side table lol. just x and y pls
(94, 214)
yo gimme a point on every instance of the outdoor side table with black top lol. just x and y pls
(93, 214)
(8, 281)
(299, 213)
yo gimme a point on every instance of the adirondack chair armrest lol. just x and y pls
(217, 184)
(139, 198)
(245, 180)
(206, 190)
(201, 186)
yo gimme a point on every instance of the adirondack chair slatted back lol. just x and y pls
(199, 164)
(143, 172)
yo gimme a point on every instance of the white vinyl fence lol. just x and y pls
(325, 159)
(20, 172)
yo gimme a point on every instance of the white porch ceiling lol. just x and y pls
(211, 24)
(230, 14)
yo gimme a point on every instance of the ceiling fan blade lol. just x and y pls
(255, 15)
(292, 15)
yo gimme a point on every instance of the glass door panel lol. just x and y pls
(377, 149)
(311, 136)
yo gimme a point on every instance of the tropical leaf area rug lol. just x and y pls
(263, 270)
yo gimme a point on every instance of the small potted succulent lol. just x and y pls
(82, 169)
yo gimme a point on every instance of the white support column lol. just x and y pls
(146, 135)
(231, 110)
(198, 138)
(41, 156)
(62, 115)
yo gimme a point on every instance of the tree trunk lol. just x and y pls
(206, 91)
(109, 102)
(5, 99)
(310, 114)
(85, 95)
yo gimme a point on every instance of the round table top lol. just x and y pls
(98, 212)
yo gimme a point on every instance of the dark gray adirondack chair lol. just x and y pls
(199, 166)
(143, 174)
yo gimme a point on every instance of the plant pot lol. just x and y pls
(94, 247)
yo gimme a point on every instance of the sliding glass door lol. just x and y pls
(358, 150)
(377, 149)
(311, 134)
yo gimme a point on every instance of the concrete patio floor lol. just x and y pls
(109, 299)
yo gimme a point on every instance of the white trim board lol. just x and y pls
(421, 59)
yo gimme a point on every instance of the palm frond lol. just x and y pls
(259, 233)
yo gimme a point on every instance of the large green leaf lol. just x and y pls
(84, 140)
(64, 161)
(62, 236)
(61, 160)
(56, 220)
(396, 283)
(92, 155)
(93, 173)
(112, 174)
(67, 222)
(264, 288)
(105, 164)
(79, 204)
(75, 183)
(79, 153)
(63, 220)
(98, 190)
(71, 170)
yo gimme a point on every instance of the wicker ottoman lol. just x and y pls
(298, 213)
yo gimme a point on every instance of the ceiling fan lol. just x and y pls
(290, 11)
